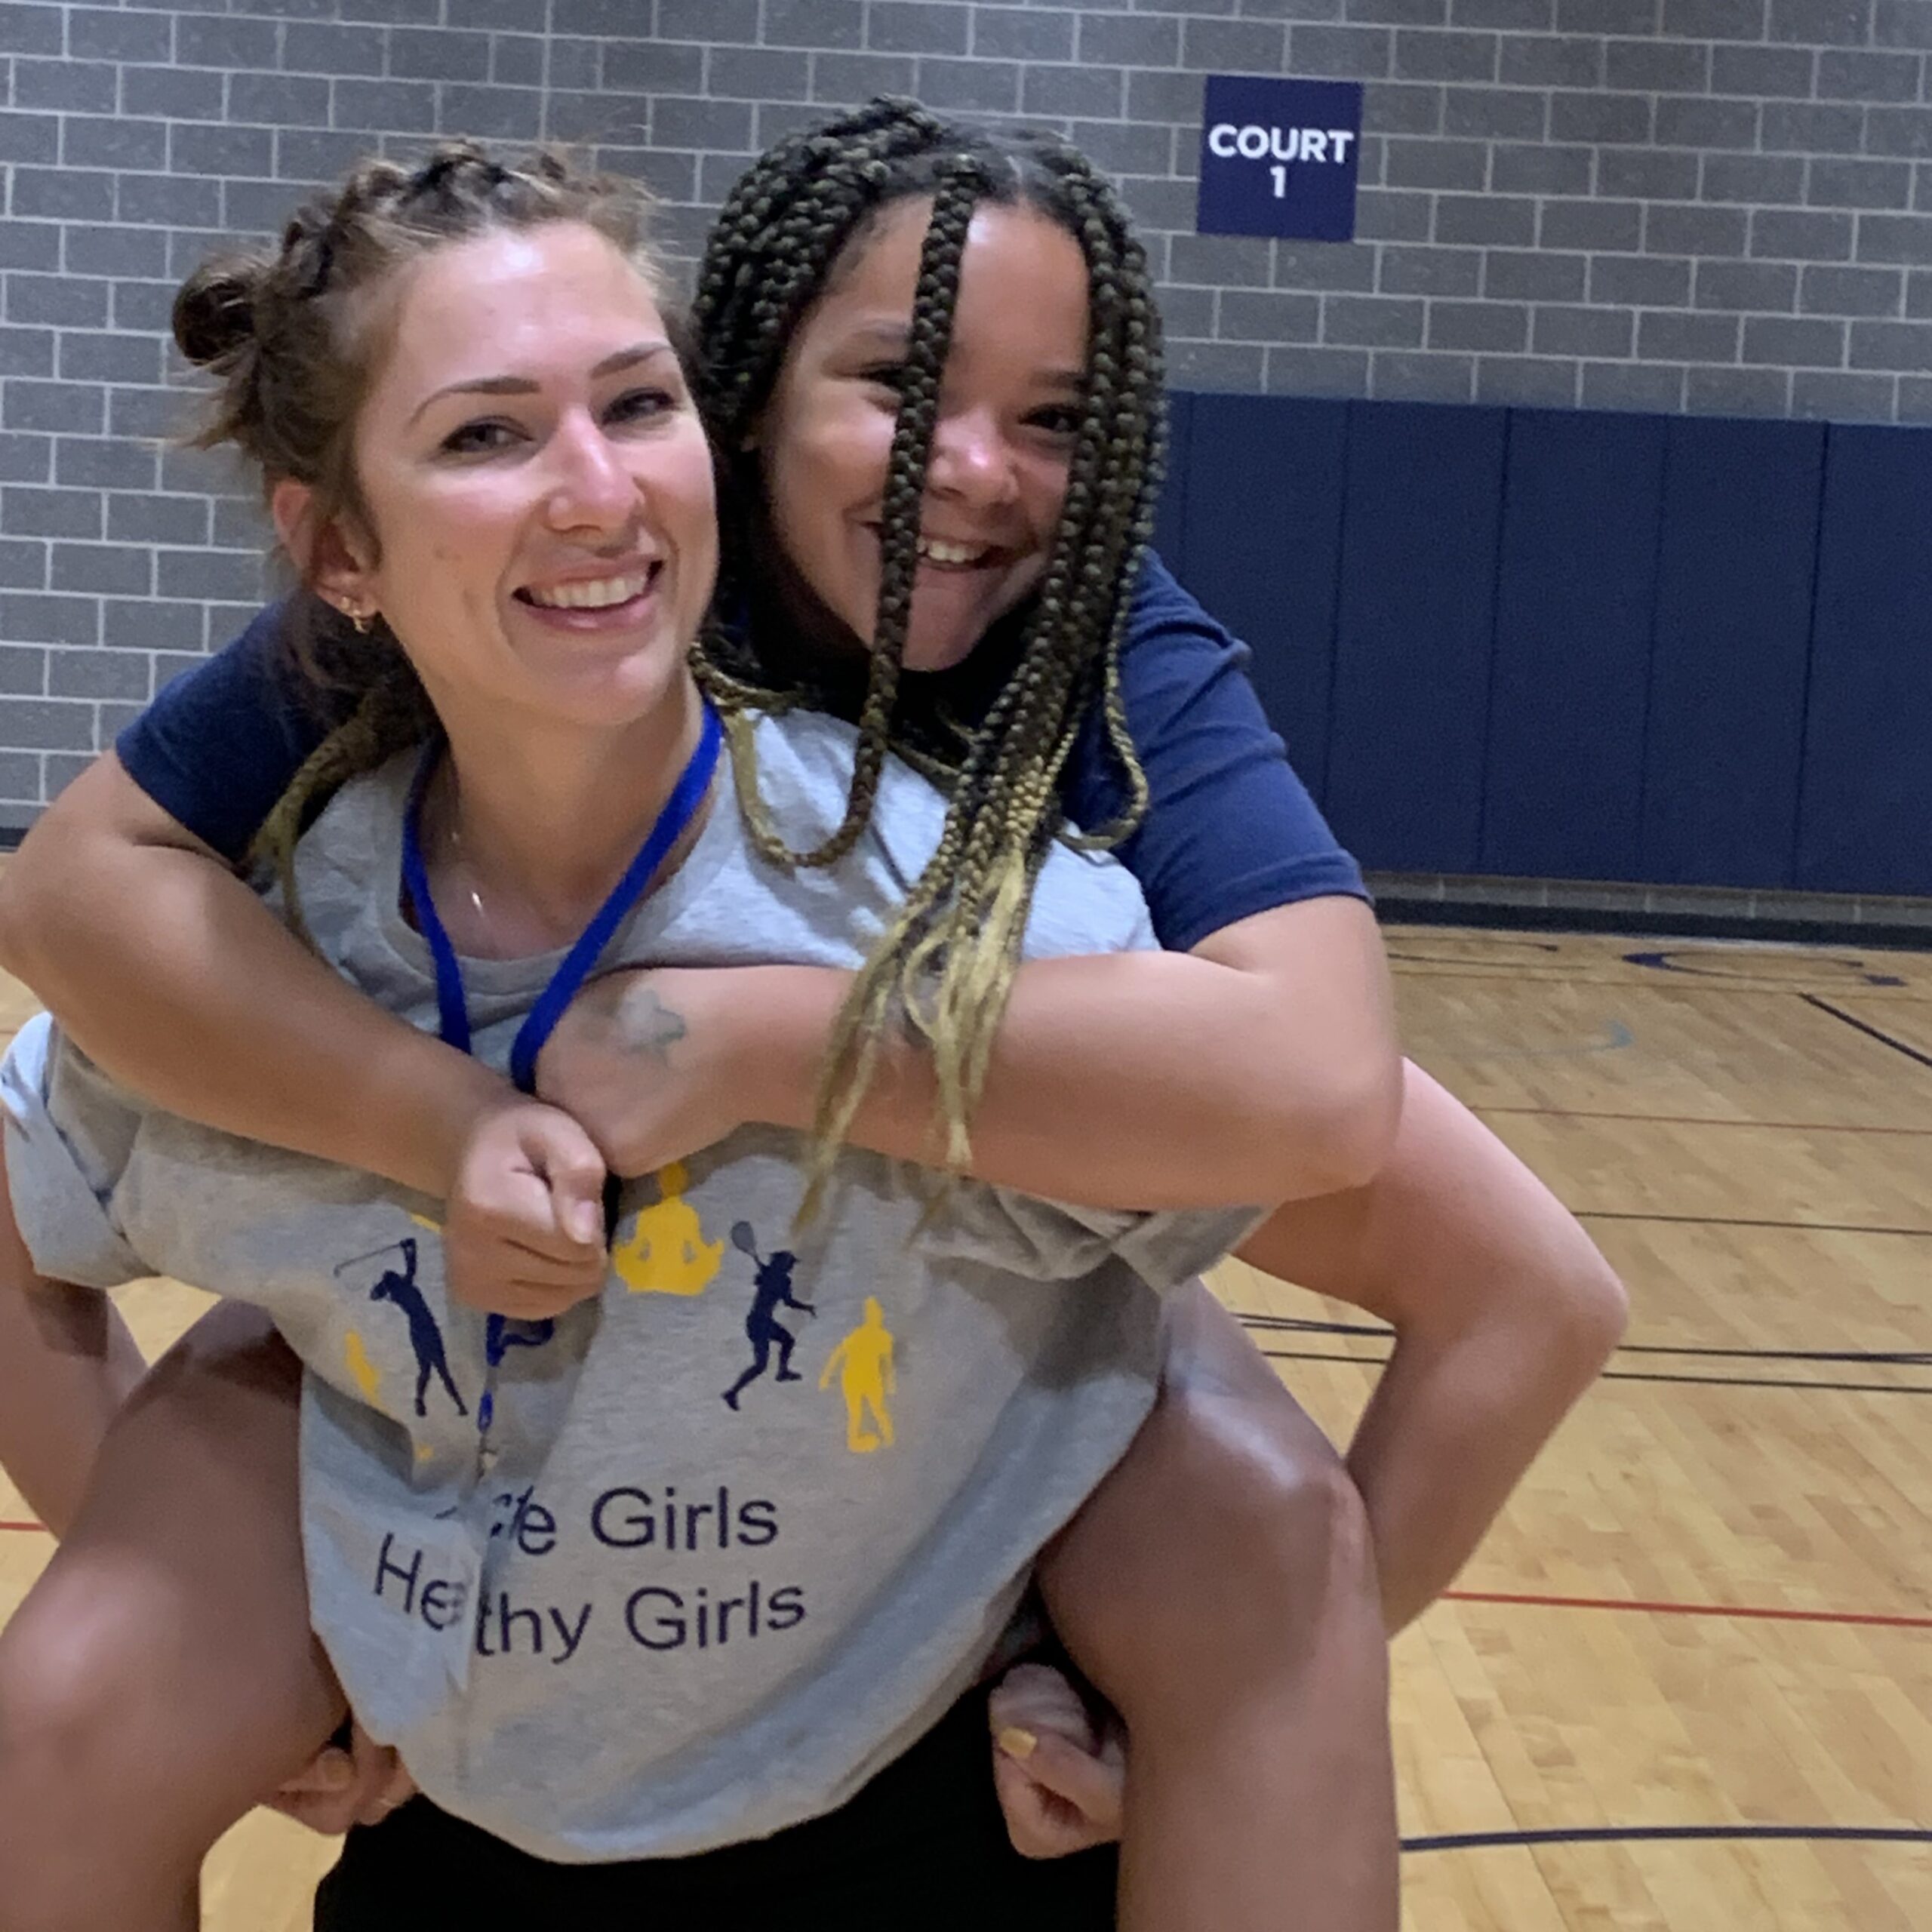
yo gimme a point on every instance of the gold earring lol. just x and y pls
(359, 618)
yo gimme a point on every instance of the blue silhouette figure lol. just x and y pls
(425, 1338)
(773, 1292)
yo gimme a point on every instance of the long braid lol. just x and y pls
(933, 305)
(945, 966)
(758, 282)
(390, 716)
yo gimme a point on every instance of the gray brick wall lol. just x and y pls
(1721, 205)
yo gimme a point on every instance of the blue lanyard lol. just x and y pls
(453, 1008)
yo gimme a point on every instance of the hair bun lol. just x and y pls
(214, 311)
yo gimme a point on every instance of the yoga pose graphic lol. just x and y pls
(667, 1253)
(773, 1291)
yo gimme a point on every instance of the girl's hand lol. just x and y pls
(1060, 1777)
(647, 1058)
(523, 1234)
(361, 1785)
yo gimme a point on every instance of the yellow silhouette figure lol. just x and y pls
(867, 1380)
(368, 1376)
(667, 1253)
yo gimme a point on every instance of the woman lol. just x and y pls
(1504, 1311)
(614, 1622)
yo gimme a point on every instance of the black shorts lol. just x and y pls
(922, 1848)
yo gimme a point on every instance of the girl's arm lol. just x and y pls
(1504, 1312)
(164, 967)
(1261, 1067)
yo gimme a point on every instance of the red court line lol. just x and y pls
(41, 1527)
(1854, 1616)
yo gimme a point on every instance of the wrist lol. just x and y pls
(431, 1106)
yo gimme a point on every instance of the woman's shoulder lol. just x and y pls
(1084, 902)
(350, 856)
(805, 760)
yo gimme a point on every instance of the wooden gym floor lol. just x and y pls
(1687, 1684)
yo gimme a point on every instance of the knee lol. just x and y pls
(1232, 1535)
(1594, 1307)
(1281, 1528)
(66, 1703)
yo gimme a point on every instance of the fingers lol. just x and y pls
(524, 1234)
(1084, 1780)
(382, 1781)
(505, 1278)
(1040, 1822)
(567, 1158)
(324, 1795)
(535, 1180)
(1061, 1783)
(1036, 1697)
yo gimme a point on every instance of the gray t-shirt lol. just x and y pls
(751, 1521)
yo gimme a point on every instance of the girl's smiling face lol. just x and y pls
(538, 482)
(1008, 414)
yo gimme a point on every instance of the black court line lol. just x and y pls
(1737, 968)
(1671, 1833)
(1750, 1221)
(1694, 1120)
(1753, 972)
(1652, 1375)
(1876, 1358)
(1852, 1019)
(1769, 1381)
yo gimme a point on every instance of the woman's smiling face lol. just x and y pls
(539, 482)
(1008, 413)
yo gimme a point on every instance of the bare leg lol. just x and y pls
(161, 1678)
(67, 1363)
(1220, 1590)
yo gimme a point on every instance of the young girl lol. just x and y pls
(1503, 1311)
(619, 1594)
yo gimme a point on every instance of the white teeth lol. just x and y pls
(937, 553)
(598, 596)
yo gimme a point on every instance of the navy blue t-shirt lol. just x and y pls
(1230, 830)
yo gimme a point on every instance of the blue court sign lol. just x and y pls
(1279, 157)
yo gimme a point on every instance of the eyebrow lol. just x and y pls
(622, 359)
(896, 335)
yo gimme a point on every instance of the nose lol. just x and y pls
(971, 459)
(592, 487)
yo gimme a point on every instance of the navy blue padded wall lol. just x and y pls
(1733, 641)
(1865, 820)
(1582, 494)
(1422, 503)
(1264, 548)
